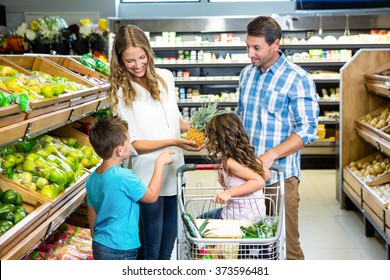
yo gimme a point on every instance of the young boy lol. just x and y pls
(113, 192)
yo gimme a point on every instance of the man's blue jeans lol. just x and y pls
(158, 228)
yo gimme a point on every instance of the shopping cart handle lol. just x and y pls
(277, 168)
(184, 168)
(193, 167)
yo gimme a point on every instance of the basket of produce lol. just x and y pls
(71, 83)
(51, 167)
(13, 107)
(21, 211)
(377, 121)
(85, 72)
(378, 82)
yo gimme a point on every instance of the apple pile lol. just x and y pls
(37, 86)
(55, 80)
(50, 166)
(34, 87)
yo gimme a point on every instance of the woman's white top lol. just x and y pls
(149, 119)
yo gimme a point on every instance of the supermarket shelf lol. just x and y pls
(196, 64)
(209, 80)
(198, 104)
(213, 46)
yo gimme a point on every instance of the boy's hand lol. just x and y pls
(166, 158)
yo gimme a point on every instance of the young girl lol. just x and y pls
(241, 174)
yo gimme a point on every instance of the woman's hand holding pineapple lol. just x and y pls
(188, 145)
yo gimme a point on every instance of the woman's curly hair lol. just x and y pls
(131, 36)
(226, 138)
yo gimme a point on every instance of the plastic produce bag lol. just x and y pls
(88, 61)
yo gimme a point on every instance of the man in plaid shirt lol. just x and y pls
(279, 109)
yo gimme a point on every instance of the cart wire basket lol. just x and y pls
(250, 234)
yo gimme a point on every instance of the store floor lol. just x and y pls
(327, 232)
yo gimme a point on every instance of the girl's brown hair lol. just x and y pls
(226, 138)
(131, 36)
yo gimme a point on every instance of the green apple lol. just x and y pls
(50, 149)
(25, 177)
(19, 167)
(77, 154)
(31, 185)
(5, 70)
(71, 159)
(64, 140)
(94, 160)
(71, 141)
(64, 150)
(87, 151)
(47, 90)
(8, 161)
(86, 162)
(41, 182)
(32, 156)
(58, 89)
(57, 176)
(29, 166)
(43, 171)
(80, 167)
(19, 158)
(47, 138)
(49, 192)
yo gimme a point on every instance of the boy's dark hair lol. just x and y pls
(266, 27)
(106, 134)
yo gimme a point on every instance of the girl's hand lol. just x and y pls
(222, 197)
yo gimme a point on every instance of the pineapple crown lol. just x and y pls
(203, 115)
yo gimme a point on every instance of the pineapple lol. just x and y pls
(199, 122)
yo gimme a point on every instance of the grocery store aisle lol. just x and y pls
(327, 232)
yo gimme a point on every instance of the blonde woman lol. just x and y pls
(144, 96)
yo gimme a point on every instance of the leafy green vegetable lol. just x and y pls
(197, 232)
(265, 228)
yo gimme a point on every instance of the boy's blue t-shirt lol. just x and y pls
(114, 195)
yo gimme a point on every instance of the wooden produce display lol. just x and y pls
(378, 82)
(38, 63)
(26, 64)
(79, 216)
(46, 116)
(70, 131)
(32, 240)
(378, 121)
(38, 210)
(359, 139)
(84, 71)
(11, 114)
(58, 201)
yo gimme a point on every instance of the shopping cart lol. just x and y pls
(226, 238)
